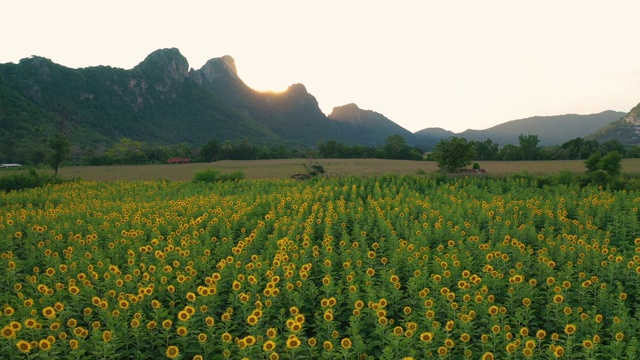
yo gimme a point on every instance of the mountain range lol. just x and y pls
(551, 130)
(163, 101)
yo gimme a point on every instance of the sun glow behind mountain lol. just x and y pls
(456, 65)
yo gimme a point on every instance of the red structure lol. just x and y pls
(178, 160)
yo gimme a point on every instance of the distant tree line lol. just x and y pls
(528, 149)
(395, 147)
(129, 152)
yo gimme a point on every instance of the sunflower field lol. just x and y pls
(386, 267)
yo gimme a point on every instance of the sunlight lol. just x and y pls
(271, 90)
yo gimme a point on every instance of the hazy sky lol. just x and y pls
(450, 64)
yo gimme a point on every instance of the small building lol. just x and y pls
(178, 160)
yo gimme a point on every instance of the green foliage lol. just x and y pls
(611, 163)
(529, 147)
(210, 151)
(316, 169)
(60, 150)
(396, 147)
(597, 177)
(332, 149)
(580, 148)
(214, 176)
(593, 162)
(126, 151)
(453, 154)
(486, 150)
(26, 180)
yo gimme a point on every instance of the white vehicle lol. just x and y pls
(9, 165)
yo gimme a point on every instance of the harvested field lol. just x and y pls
(284, 168)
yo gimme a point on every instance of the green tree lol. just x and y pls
(611, 146)
(529, 147)
(126, 151)
(453, 154)
(396, 147)
(210, 151)
(486, 150)
(580, 148)
(510, 152)
(593, 162)
(610, 163)
(59, 143)
(60, 151)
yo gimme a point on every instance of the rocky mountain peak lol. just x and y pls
(169, 62)
(634, 116)
(298, 89)
(218, 67)
(350, 113)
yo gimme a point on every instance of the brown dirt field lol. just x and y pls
(278, 169)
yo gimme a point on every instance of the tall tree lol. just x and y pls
(210, 151)
(529, 147)
(126, 151)
(486, 150)
(453, 154)
(59, 143)
(396, 147)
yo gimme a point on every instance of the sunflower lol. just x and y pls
(44, 345)
(209, 321)
(49, 312)
(465, 337)
(23, 346)
(182, 331)
(293, 342)
(226, 337)
(106, 336)
(345, 343)
(327, 345)
(272, 333)
(449, 343)
(269, 345)
(172, 352)
(569, 329)
(183, 315)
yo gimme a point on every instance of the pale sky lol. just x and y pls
(450, 64)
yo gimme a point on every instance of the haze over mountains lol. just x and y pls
(551, 130)
(164, 101)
